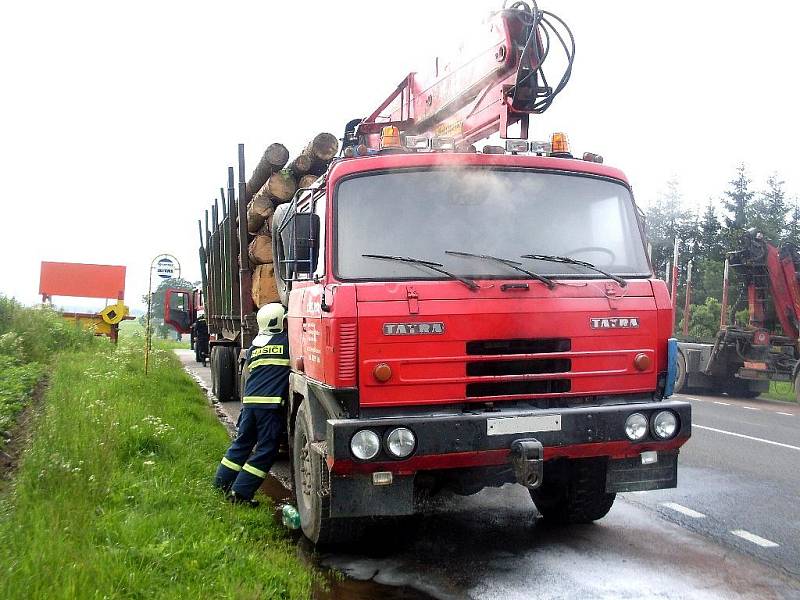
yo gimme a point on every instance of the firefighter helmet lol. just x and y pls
(270, 318)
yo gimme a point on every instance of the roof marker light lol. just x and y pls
(517, 146)
(592, 157)
(541, 148)
(443, 143)
(390, 137)
(418, 142)
(560, 144)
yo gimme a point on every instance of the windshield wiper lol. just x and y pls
(571, 261)
(509, 263)
(433, 266)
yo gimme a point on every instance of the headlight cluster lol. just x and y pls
(399, 442)
(663, 425)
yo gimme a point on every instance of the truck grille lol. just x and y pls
(519, 367)
(517, 388)
(540, 346)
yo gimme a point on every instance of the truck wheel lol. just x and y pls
(680, 379)
(582, 498)
(213, 359)
(223, 373)
(310, 479)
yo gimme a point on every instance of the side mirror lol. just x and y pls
(300, 239)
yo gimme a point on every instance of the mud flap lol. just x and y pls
(527, 460)
(630, 475)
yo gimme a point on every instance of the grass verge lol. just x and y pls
(781, 390)
(113, 497)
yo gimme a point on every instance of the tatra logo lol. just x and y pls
(614, 322)
(413, 328)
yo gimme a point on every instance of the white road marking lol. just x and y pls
(683, 510)
(750, 408)
(693, 398)
(747, 437)
(722, 403)
(756, 539)
(784, 414)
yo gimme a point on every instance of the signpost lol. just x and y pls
(166, 266)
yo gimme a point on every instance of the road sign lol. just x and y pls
(165, 268)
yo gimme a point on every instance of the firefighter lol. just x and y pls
(261, 421)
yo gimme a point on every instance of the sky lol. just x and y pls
(118, 120)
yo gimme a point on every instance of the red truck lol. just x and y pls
(462, 319)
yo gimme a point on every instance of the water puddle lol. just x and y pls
(333, 584)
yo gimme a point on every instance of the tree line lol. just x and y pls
(708, 232)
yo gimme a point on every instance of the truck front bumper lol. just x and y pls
(485, 439)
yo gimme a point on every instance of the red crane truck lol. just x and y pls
(745, 358)
(462, 319)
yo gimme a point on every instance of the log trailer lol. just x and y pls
(745, 358)
(461, 319)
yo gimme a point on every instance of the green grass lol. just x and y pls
(113, 498)
(781, 391)
(28, 339)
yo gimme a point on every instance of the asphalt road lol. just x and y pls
(730, 530)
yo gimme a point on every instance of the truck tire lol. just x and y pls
(310, 476)
(279, 254)
(581, 498)
(680, 378)
(223, 373)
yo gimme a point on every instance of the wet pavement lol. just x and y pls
(492, 545)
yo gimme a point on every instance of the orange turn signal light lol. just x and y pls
(390, 137)
(559, 143)
(382, 372)
(642, 361)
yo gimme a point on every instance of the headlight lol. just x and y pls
(400, 442)
(365, 444)
(636, 426)
(665, 424)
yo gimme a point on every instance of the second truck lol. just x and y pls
(460, 319)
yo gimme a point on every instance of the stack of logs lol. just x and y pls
(273, 183)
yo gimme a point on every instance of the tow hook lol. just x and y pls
(527, 460)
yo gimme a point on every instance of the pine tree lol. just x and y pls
(737, 201)
(710, 236)
(768, 211)
(666, 220)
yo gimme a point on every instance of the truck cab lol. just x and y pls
(460, 320)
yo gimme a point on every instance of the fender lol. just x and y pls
(323, 401)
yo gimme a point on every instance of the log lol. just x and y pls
(264, 288)
(307, 181)
(281, 186)
(274, 159)
(323, 147)
(260, 250)
(301, 165)
(259, 210)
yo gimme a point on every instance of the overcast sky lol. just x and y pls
(118, 120)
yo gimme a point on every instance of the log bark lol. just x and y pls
(264, 288)
(301, 165)
(323, 147)
(306, 181)
(260, 250)
(259, 210)
(281, 186)
(274, 159)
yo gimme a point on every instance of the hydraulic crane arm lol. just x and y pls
(498, 82)
(772, 276)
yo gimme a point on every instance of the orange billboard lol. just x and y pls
(83, 281)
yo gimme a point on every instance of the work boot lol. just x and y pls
(235, 498)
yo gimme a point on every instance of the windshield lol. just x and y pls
(505, 213)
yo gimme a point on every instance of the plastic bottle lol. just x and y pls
(290, 517)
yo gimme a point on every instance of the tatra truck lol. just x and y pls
(459, 318)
